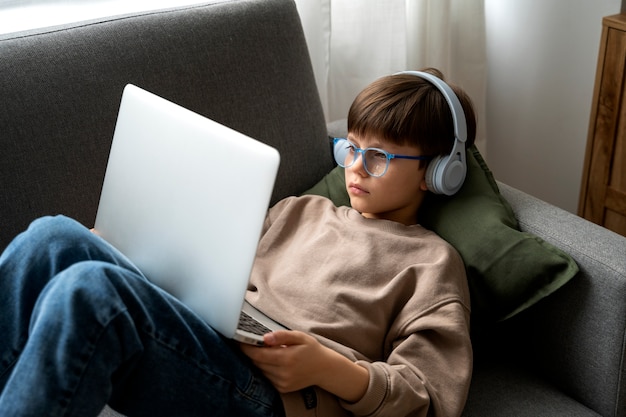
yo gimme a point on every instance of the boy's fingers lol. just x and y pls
(283, 337)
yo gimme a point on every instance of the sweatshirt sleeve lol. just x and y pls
(276, 211)
(428, 371)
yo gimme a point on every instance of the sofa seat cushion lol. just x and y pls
(499, 389)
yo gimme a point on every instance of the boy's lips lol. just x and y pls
(355, 188)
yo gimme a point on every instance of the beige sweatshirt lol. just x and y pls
(390, 297)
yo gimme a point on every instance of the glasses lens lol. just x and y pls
(376, 162)
(344, 152)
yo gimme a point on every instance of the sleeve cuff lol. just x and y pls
(376, 390)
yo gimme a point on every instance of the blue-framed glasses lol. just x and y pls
(375, 160)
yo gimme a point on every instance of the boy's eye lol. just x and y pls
(378, 155)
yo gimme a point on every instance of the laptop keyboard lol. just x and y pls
(251, 325)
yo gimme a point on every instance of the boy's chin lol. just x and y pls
(358, 204)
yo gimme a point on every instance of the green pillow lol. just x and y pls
(507, 270)
(332, 186)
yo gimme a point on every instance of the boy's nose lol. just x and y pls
(358, 165)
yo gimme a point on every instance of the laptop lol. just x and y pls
(185, 199)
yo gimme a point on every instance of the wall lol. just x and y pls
(542, 57)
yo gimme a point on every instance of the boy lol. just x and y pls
(379, 305)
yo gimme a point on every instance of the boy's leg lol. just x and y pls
(100, 332)
(47, 247)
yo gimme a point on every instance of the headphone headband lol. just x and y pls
(445, 175)
(458, 115)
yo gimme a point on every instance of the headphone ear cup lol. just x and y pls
(454, 176)
(431, 175)
(445, 176)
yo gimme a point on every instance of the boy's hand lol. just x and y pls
(289, 359)
(294, 360)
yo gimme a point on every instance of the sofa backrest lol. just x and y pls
(243, 63)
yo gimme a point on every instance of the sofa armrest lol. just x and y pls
(576, 337)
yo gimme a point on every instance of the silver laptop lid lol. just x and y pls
(185, 199)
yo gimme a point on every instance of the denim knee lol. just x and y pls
(82, 290)
(79, 335)
(54, 229)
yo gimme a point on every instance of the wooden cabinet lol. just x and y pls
(603, 189)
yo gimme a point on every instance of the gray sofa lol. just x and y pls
(245, 64)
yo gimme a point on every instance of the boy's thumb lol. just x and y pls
(279, 337)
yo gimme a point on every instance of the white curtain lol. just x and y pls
(354, 42)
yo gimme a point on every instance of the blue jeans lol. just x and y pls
(81, 327)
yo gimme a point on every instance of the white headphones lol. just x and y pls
(445, 174)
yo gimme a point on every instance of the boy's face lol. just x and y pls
(398, 194)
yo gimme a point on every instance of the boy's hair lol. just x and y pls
(405, 109)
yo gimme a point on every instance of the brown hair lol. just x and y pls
(404, 109)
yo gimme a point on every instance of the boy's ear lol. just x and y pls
(423, 183)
